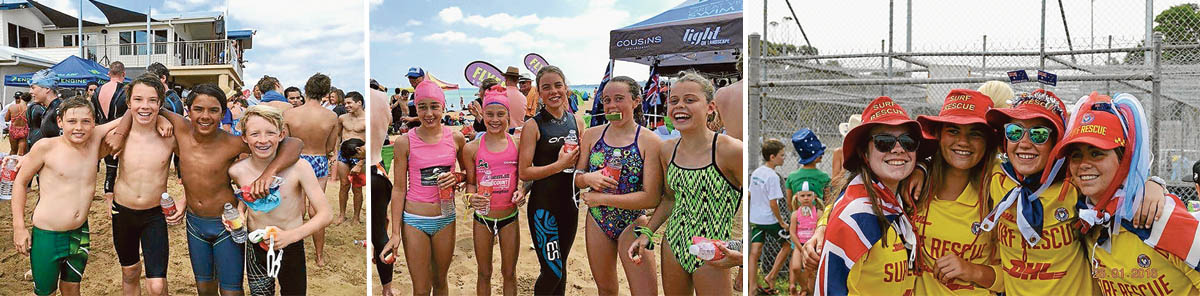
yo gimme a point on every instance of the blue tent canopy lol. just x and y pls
(73, 72)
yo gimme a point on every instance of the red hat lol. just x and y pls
(881, 111)
(1098, 125)
(962, 106)
(1039, 104)
(1094, 127)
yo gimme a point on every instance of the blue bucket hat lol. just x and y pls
(807, 145)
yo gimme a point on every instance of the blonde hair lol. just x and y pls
(705, 84)
(271, 114)
(999, 91)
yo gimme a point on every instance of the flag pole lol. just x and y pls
(79, 38)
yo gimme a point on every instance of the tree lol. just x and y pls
(1179, 24)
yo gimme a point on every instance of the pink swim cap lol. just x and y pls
(496, 95)
(429, 90)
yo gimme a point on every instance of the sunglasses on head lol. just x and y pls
(1038, 134)
(885, 142)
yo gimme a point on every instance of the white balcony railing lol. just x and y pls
(171, 54)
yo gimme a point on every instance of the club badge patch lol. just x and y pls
(1060, 214)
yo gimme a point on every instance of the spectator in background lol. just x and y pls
(337, 100)
(19, 127)
(91, 88)
(172, 101)
(294, 96)
(272, 93)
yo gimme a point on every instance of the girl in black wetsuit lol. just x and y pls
(552, 213)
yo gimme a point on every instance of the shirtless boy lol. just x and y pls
(353, 126)
(58, 247)
(262, 129)
(141, 181)
(318, 127)
(205, 154)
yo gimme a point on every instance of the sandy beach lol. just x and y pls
(462, 275)
(343, 274)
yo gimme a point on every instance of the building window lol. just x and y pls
(21, 37)
(70, 40)
(134, 42)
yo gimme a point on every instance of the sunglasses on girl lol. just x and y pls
(1038, 134)
(885, 142)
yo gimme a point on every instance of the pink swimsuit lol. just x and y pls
(806, 224)
(425, 162)
(503, 168)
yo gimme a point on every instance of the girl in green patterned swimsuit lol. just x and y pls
(703, 174)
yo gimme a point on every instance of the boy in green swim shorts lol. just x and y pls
(60, 241)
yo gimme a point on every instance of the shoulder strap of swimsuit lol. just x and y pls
(714, 151)
(675, 150)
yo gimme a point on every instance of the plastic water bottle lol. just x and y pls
(361, 242)
(613, 166)
(7, 174)
(233, 219)
(572, 141)
(168, 204)
(485, 189)
(446, 198)
(706, 249)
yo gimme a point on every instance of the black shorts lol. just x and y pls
(145, 227)
(293, 275)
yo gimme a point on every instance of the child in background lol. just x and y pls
(352, 149)
(766, 218)
(804, 222)
(811, 152)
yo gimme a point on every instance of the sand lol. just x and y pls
(462, 274)
(343, 274)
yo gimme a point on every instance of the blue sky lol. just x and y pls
(295, 38)
(444, 36)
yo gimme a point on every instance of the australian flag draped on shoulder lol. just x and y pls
(853, 229)
(597, 106)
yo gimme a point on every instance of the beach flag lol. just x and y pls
(848, 241)
(597, 106)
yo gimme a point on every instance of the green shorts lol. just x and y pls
(58, 255)
(759, 232)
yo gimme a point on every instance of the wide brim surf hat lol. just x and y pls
(962, 106)
(881, 111)
(1039, 104)
(845, 127)
(807, 145)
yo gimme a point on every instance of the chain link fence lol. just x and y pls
(793, 88)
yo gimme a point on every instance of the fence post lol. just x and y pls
(755, 118)
(1042, 43)
(1156, 97)
(983, 69)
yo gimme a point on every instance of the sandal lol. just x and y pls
(766, 291)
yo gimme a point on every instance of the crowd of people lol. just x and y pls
(237, 159)
(1020, 194)
(529, 149)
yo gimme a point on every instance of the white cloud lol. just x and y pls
(501, 21)
(450, 15)
(374, 2)
(298, 38)
(182, 5)
(387, 35)
(413, 23)
(447, 37)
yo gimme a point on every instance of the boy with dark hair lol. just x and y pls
(58, 246)
(353, 126)
(319, 128)
(294, 96)
(137, 218)
(766, 218)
